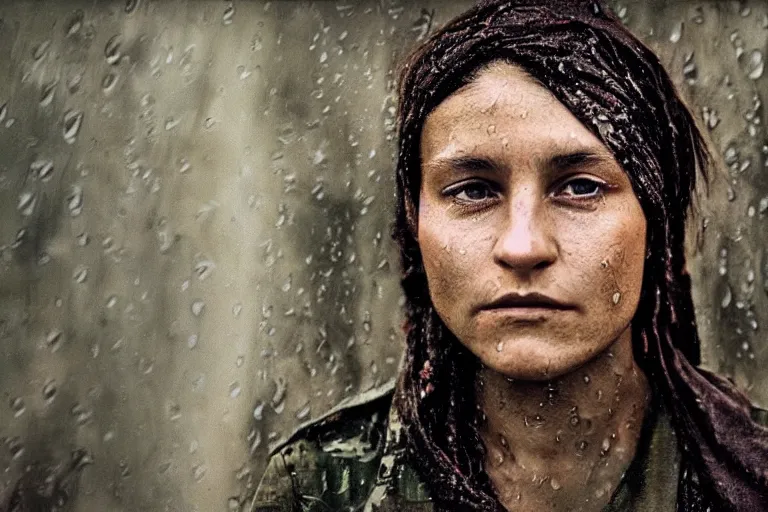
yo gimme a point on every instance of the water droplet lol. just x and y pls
(551, 392)
(535, 421)
(234, 390)
(171, 123)
(677, 32)
(46, 95)
(711, 118)
(81, 414)
(112, 50)
(73, 120)
(727, 297)
(616, 298)
(75, 201)
(15, 447)
(198, 472)
(42, 169)
(555, 483)
(574, 420)
(192, 341)
(582, 445)
(40, 50)
(54, 340)
(131, 6)
(737, 42)
(3, 111)
(763, 206)
(586, 379)
(75, 23)
(236, 309)
(49, 391)
(500, 346)
(755, 64)
(605, 446)
(689, 69)
(174, 411)
(254, 437)
(278, 399)
(18, 407)
(108, 82)
(258, 411)
(229, 13)
(303, 412)
(197, 307)
(204, 268)
(27, 202)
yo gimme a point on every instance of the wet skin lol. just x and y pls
(519, 198)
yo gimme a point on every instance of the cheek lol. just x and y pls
(615, 260)
(450, 256)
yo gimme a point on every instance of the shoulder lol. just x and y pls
(348, 419)
(331, 462)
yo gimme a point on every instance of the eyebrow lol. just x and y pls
(559, 162)
(576, 159)
(467, 163)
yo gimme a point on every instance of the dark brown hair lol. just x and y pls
(618, 89)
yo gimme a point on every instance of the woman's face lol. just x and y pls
(532, 239)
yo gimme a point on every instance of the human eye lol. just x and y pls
(581, 188)
(472, 192)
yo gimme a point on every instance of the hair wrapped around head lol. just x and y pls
(618, 89)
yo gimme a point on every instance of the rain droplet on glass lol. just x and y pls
(131, 6)
(75, 23)
(46, 95)
(727, 297)
(54, 339)
(27, 202)
(73, 120)
(229, 13)
(17, 406)
(197, 307)
(204, 268)
(112, 50)
(49, 390)
(303, 413)
(755, 64)
(40, 50)
(108, 82)
(677, 32)
(41, 169)
(75, 201)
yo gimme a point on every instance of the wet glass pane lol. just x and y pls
(196, 201)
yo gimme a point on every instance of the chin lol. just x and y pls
(534, 365)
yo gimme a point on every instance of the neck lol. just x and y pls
(564, 444)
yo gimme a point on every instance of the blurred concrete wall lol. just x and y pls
(195, 200)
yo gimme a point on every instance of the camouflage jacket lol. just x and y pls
(353, 459)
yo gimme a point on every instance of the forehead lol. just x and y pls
(503, 110)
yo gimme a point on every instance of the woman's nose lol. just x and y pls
(526, 241)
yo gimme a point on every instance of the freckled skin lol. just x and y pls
(529, 238)
(499, 212)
